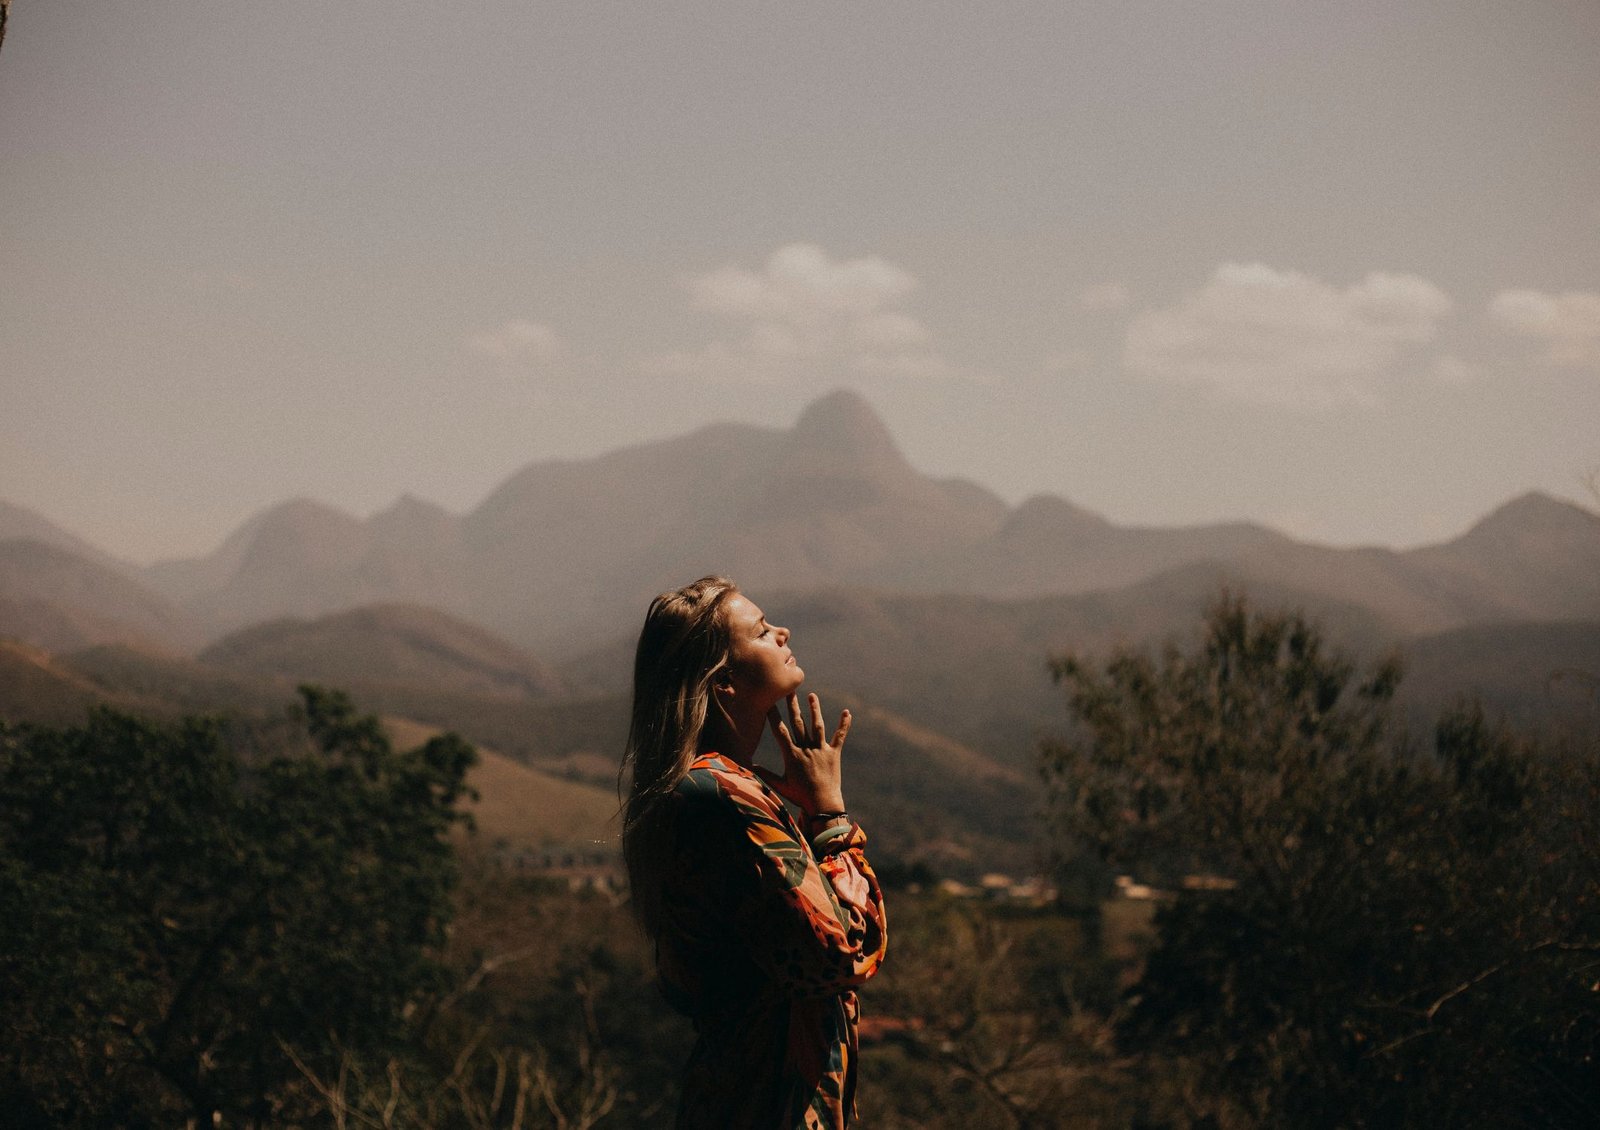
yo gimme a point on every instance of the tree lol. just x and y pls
(1372, 935)
(188, 904)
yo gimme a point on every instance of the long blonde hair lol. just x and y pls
(685, 642)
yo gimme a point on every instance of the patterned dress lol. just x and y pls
(761, 944)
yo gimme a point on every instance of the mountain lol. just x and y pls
(1531, 674)
(567, 550)
(61, 600)
(1539, 556)
(20, 523)
(565, 554)
(385, 643)
(304, 558)
(1049, 545)
(832, 498)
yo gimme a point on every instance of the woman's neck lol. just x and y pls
(734, 738)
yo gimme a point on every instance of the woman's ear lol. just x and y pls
(721, 691)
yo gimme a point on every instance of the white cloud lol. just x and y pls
(518, 340)
(1257, 333)
(804, 312)
(1105, 296)
(1568, 323)
(800, 284)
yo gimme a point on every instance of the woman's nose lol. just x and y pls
(783, 635)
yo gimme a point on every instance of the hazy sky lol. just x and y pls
(1331, 266)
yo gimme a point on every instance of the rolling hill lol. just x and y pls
(521, 808)
(385, 643)
(61, 599)
(34, 687)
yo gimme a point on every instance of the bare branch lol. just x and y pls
(1477, 979)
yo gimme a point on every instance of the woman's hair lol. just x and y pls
(684, 644)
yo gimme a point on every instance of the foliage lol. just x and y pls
(187, 902)
(569, 977)
(1370, 934)
(989, 1017)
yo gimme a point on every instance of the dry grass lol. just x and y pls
(521, 807)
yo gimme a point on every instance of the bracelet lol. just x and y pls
(816, 816)
(825, 837)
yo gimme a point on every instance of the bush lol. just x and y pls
(1389, 936)
(191, 908)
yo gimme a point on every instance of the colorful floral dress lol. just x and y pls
(761, 943)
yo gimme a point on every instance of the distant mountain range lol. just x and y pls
(564, 555)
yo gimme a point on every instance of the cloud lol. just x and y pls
(1261, 334)
(1568, 323)
(518, 340)
(800, 284)
(803, 312)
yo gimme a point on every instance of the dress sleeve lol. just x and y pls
(816, 927)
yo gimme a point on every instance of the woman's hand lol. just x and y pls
(811, 771)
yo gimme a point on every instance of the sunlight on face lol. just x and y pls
(762, 664)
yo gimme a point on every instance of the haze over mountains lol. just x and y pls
(564, 555)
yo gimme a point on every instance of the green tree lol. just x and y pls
(1371, 935)
(191, 907)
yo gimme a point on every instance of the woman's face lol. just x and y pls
(760, 664)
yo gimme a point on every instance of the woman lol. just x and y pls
(763, 924)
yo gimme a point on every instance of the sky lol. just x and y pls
(1334, 267)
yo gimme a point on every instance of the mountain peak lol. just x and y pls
(409, 511)
(843, 424)
(21, 522)
(1531, 514)
(302, 511)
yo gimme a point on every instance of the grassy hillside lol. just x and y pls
(523, 808)
(170, 684)
(35, 688)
